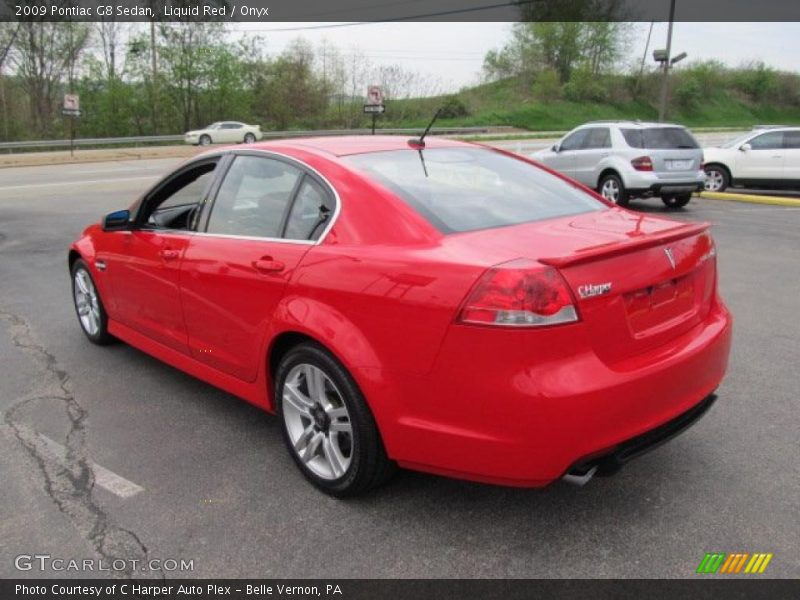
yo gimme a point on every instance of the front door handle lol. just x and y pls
(169, 254)
(266, 264)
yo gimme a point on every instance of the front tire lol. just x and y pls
(88, 305)
(327, 425)
(249, 138)
(612, 189)
(717, 178)
(205, 140)
(678, 201)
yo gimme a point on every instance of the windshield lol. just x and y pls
(214, 126)
(465, 189)
(659, 138)
(737, 141)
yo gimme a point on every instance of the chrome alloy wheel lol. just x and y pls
(317, 421)
(714, 180)
(610, 190)
(86, 301)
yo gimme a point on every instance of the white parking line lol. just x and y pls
(115, 170)
(108, 480)
(78, 182)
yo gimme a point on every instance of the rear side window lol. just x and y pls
(253, 197)
(311, 210)
(791, 139)
(659, 138)
(465, 189)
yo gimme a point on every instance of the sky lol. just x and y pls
(452, 53)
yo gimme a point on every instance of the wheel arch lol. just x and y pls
(720, 164)
(608, 171)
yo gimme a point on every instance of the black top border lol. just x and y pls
(357, 12)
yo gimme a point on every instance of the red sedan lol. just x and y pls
(439, 306)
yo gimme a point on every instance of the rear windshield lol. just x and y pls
(464, 189)
(659, 138)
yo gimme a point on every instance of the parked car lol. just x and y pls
(224, 132)
(626, 159)
(440, 306)
(767, 157)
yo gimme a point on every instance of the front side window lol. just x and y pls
(465, 189)
(254, 197)
(767, 141)
(597, 137)
(574, 140)
(174, 205)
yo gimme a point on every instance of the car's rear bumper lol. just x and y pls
(653, 184)
(523, 414)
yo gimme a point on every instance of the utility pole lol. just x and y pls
(662, 107)
(154, 73)
(644, 59)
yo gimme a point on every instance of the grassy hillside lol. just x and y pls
(695, 101)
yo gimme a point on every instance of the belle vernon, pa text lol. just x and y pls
(155, 591)
(141, 11)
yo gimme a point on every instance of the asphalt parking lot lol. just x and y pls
(189, 472)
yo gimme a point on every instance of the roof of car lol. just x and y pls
(355, 144)
(640, 124)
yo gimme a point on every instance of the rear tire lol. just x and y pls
(88, 305)
(717, 178)
(678, 201)
(327, 425)
(612, 189)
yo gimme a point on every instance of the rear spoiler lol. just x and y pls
(616, 248)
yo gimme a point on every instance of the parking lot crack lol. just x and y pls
(69, 481)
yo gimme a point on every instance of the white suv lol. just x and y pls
(767, 157)
(623, 159)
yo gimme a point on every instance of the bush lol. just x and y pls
(547, 86)
(758, 81)
(584, 86)
(453, 107)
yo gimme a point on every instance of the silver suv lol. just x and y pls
(625, 159)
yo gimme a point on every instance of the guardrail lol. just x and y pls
(157, 139)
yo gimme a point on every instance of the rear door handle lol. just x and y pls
(169, 254)
(266, 264)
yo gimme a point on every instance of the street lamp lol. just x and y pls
(663, 57)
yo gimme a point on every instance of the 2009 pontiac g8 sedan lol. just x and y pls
(436, 305)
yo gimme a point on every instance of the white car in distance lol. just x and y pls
(224, 132)
(767, 157)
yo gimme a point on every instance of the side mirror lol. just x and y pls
(556, 148)
(745, 147)
(119, 220)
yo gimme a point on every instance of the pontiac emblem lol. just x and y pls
(670, 257)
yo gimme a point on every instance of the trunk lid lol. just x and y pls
(639, 281)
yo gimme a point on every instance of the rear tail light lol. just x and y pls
(642, 163)
(519, 293)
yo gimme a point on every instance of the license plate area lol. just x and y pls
(679, 165)
(660, 306)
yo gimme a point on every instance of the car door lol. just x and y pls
(791, 158)
(264, 218)
(763, 161)
(143, 264)
(596, 146)
(563, 159)
(233, 132)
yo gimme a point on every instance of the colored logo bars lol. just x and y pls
(720, 562)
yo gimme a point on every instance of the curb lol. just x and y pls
(776, 200)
